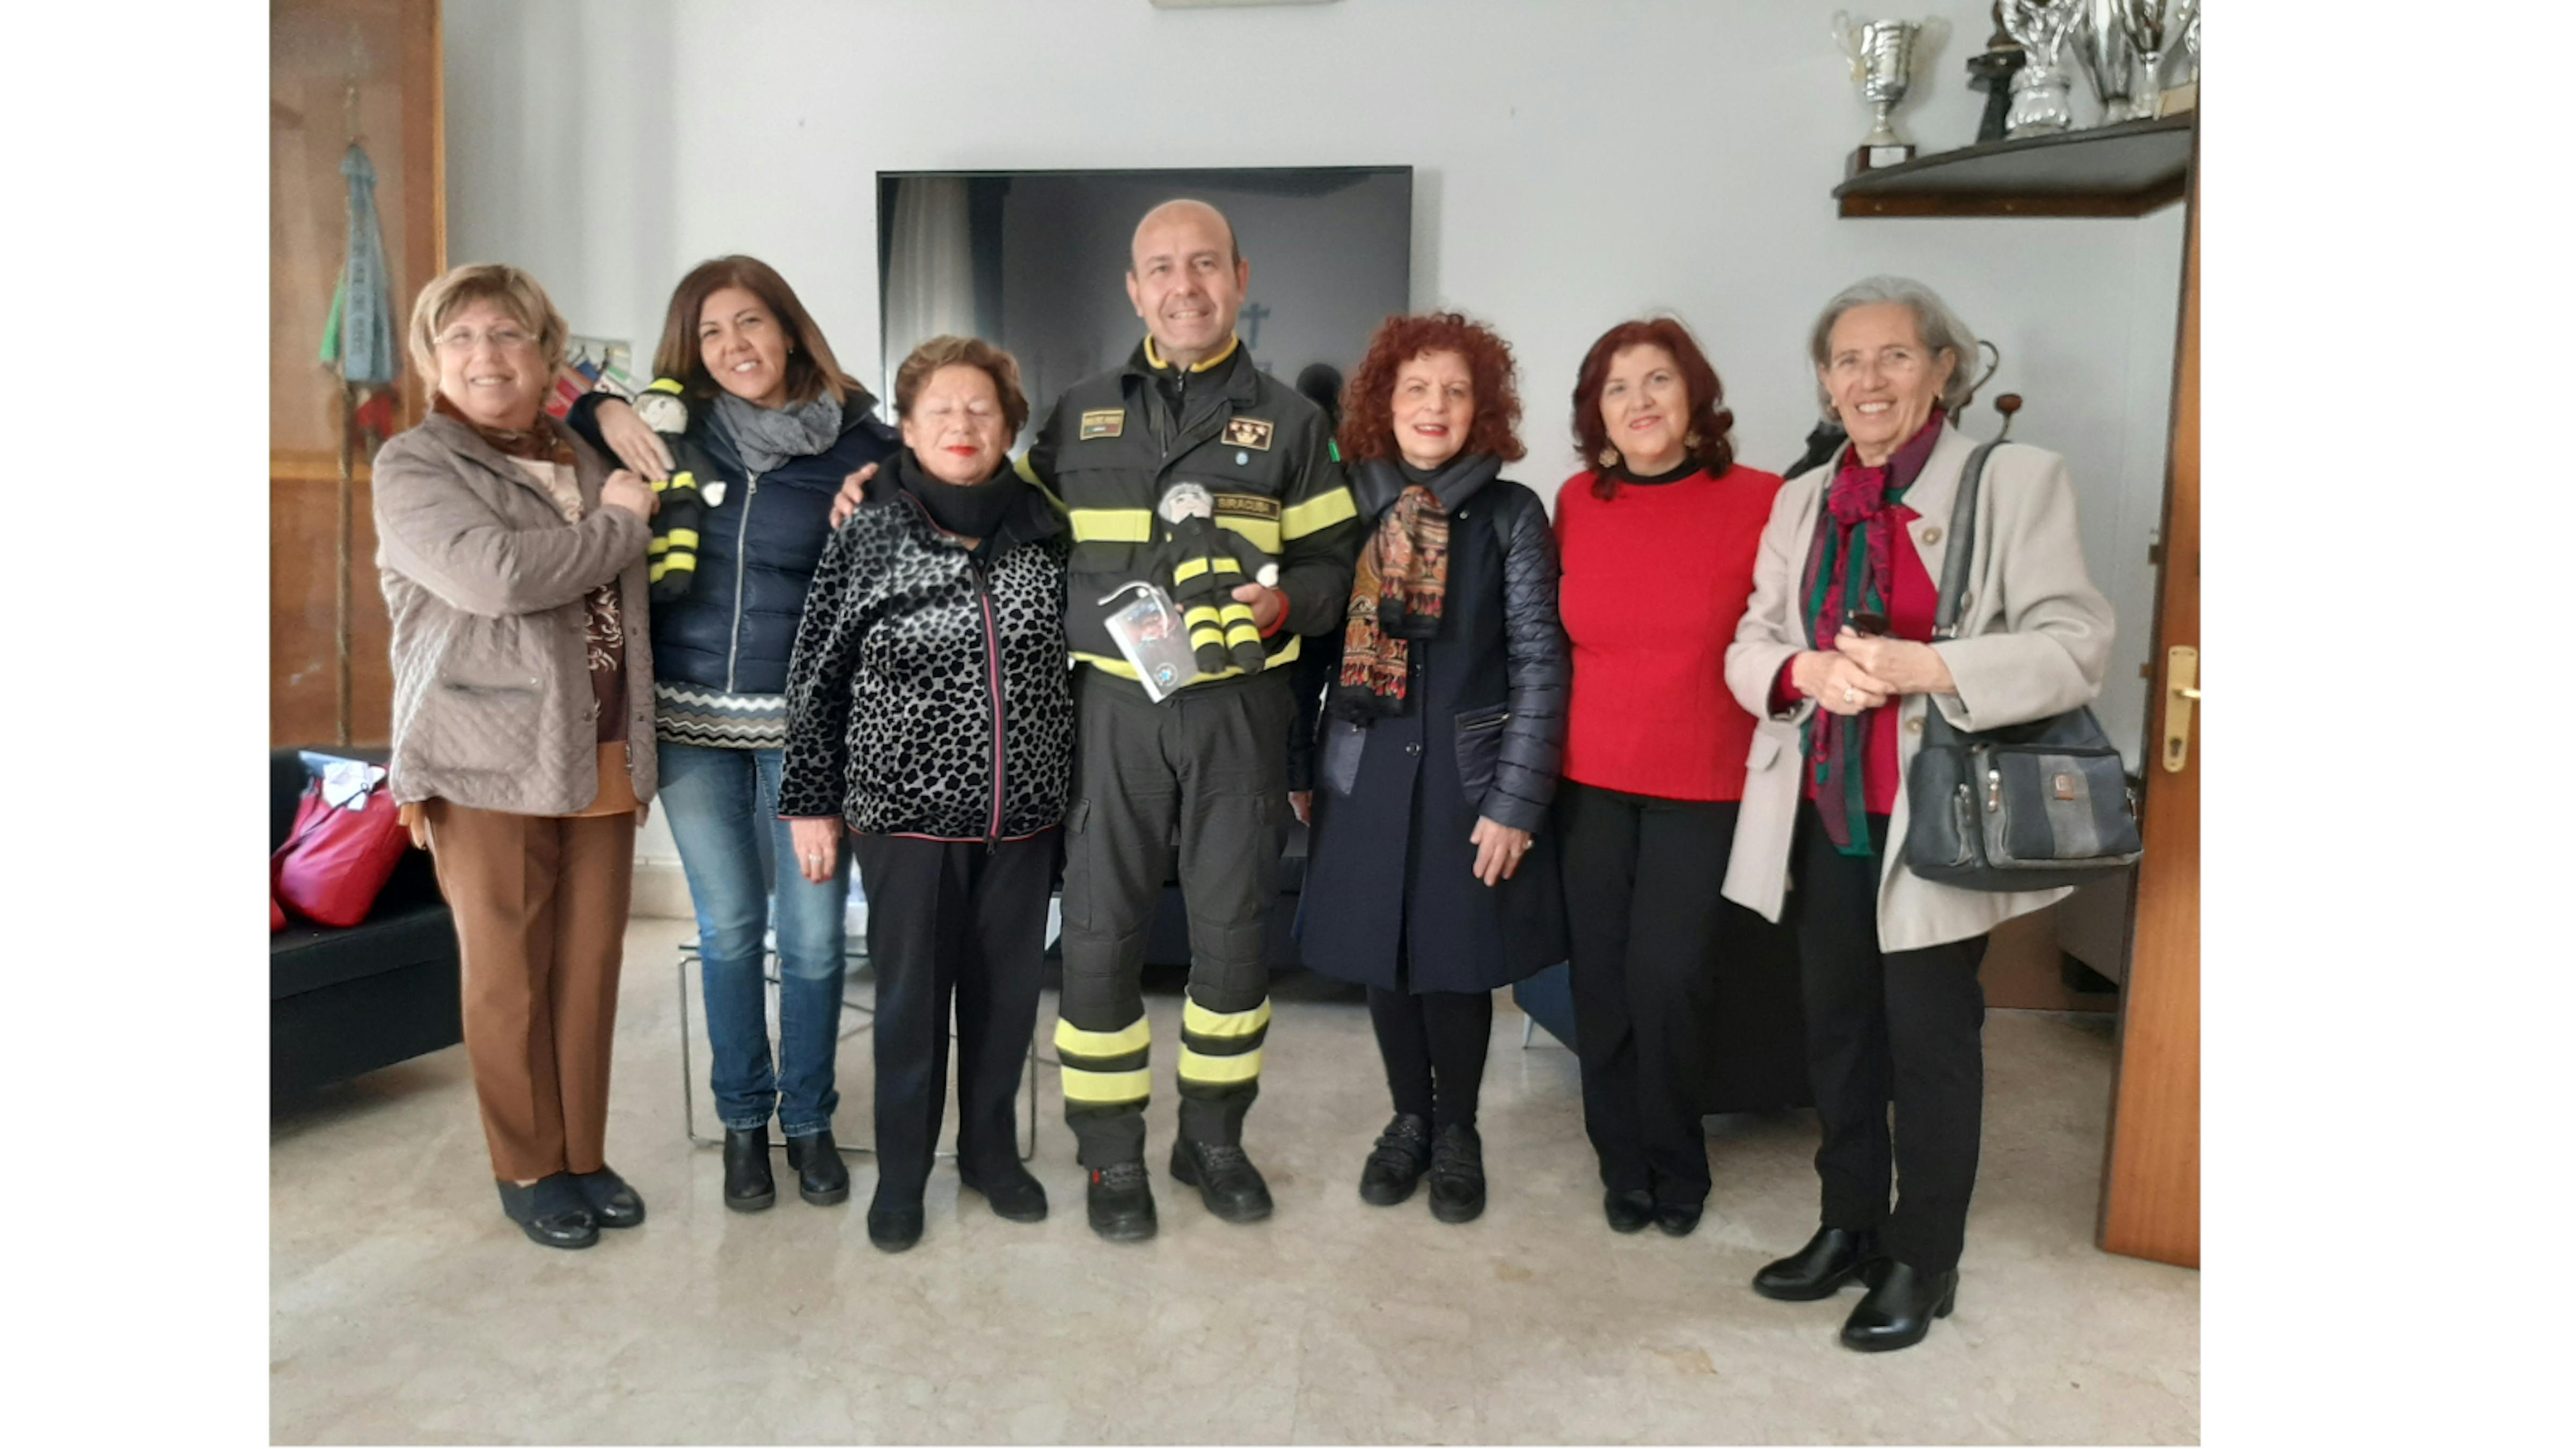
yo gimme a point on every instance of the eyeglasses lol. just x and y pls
(465, 339)
(1889, 359)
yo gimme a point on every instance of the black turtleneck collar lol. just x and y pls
(1000, 511)
(1688, 466)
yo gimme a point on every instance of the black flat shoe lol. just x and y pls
(1457, 1174)
(1832, 1258)
(1630, 1211)
(1900, 1308)
(1121, 1202)
(1677, 1218)
(1226, 1179)
(748, 1187)
(1012, 1193)
(550, 1211)
(612, 1203)
(822, 1178)
(894, 1223)
(1397, 1162)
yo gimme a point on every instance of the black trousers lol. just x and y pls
(1194, 788)
(1642, 909)
(1433, 1044)
(952, 920)
(1893, 1028)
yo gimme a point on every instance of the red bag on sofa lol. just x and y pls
(337, 857)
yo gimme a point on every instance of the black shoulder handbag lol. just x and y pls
(2022, 808)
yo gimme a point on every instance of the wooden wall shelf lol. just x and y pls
(2128, 169)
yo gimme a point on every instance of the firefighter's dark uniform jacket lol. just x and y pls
(1195, 787)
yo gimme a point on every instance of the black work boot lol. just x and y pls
(612, 1203)
(1457, 1174)
(1226, 1179)
(1013, 1193)
(822, 1178)
(1832, 1258)
(551, 1212)
(1122, 1202)
(1900, 1308)
(1397, 1162)
(748, 1187)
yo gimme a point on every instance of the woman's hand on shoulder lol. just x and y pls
(636, 445)
(854, 491)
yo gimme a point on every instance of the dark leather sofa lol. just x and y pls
(343, 1002)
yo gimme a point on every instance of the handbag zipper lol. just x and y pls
(741, 535)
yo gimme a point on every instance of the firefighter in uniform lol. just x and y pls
(1195, 787)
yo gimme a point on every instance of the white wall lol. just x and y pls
(1576, 164)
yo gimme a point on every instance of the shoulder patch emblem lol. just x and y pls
(1248, 433)
(1103, 423)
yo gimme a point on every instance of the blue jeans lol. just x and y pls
(723, 808)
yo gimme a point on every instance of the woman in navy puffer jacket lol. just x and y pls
(779, 426)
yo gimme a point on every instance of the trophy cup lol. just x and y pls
(2151, 25)
(1884, 56)
(2042, 90)
(2184, 97)
(2102, 48)
(1991, 70)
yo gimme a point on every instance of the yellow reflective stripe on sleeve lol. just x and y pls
(1135, 1036)
(1188, 569)
(1082, 1086)
(1112, 525)
(1264, 532)
(683, 537)
(1241, 1067)
(1197, 1020)
(1317, 513)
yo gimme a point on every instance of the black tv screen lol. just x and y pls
(1036, 262)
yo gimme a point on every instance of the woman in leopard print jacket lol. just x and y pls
(929, 719)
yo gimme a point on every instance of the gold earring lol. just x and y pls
(1691, 439)
(1609, 457)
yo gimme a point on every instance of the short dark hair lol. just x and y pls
(811, 368)
(1709, 418)
(948, 351)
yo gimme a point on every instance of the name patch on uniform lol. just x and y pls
(1244, 505)
(1247, 433)
(1103, 423)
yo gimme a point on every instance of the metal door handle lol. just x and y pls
(2182, 672)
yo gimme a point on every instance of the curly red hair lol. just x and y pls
(1710, 419)
(1368, 402)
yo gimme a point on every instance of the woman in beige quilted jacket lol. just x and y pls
(514, 570)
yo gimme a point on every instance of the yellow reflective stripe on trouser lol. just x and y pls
(1208, 1070)
(1088, 1086)
(1135, 1036)
(1113, 525)
(1197, 1020)
(1264, 532)
(1317, 513)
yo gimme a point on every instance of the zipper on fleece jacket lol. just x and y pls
(741, 536)
(993, 686)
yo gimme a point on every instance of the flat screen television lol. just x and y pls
(1036, 261)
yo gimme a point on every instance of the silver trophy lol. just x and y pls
(2151, 26)
(1885, 55)
(2102, 48)
(2042, 91)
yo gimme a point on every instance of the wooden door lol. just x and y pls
(2151, 1181)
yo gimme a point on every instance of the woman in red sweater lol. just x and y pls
(1658, 544)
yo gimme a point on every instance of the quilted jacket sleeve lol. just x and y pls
(1538, 668)
(814, 779)
(437, 531)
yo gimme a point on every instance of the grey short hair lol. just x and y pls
(1939, 326)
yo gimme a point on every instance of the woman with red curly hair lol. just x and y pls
(1431, 875)
(1658, 538)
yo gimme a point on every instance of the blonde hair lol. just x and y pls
(506, 287)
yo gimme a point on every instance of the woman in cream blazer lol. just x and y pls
(1889, 960)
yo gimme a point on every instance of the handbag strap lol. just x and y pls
(1963, 544)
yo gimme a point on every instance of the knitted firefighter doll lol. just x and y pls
(1206, 564)
(684, 504)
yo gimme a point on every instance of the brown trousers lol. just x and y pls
(540, 904)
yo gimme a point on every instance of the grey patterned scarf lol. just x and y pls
(767, 437)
